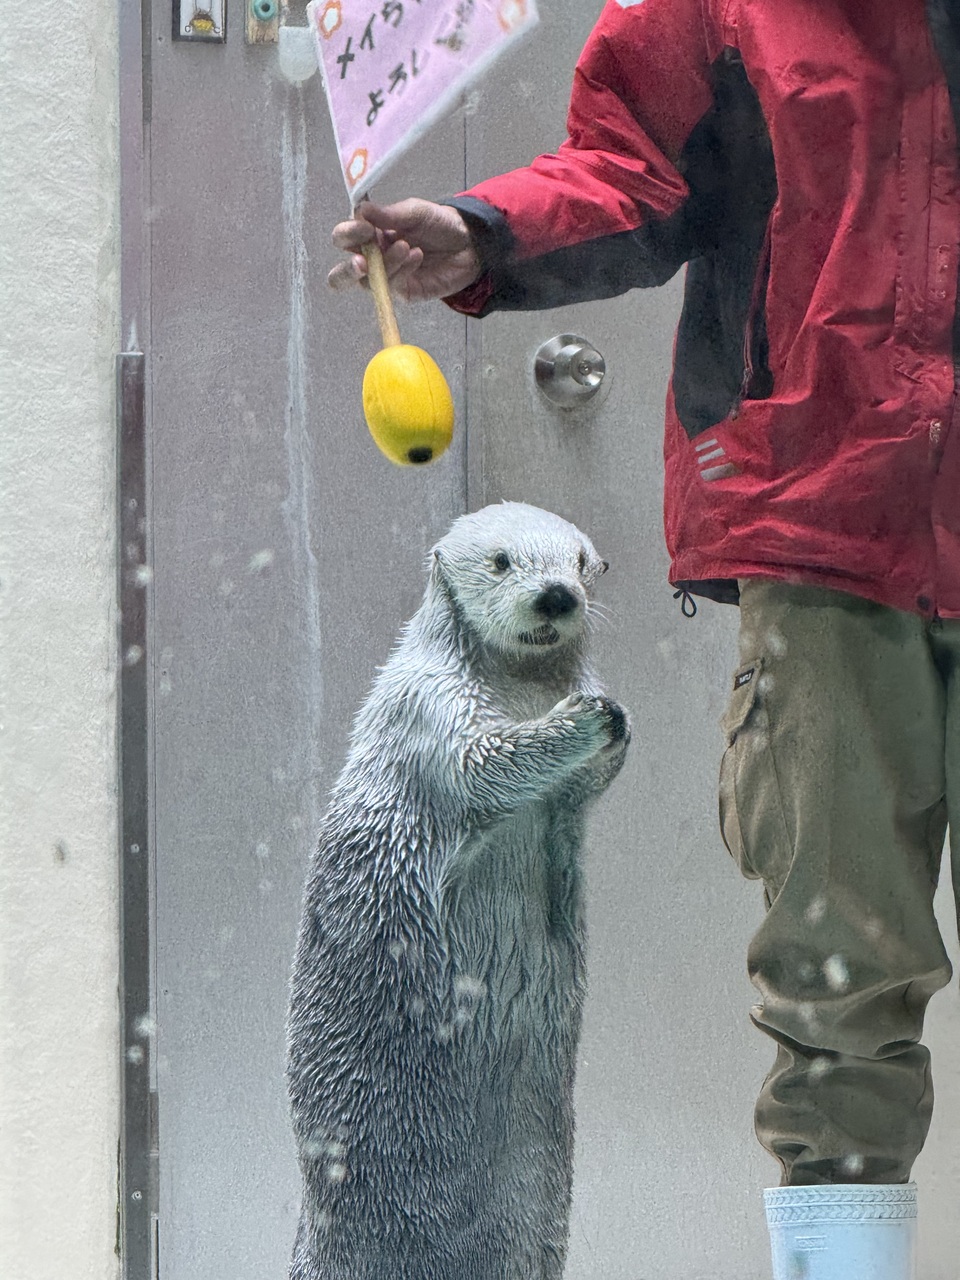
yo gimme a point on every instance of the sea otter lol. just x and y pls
(439, 974)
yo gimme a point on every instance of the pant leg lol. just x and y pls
(946, 645)
(832, 792)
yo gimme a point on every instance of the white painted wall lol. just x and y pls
(59, 1080)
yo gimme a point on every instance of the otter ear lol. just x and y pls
(604, 566)
(438, 591)
(437, 578)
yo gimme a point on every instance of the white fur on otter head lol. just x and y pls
(518, 578)
(437, 988)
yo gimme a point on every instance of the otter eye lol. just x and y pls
(501, 562)
(582, 560)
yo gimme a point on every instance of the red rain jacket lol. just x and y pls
(801, 157)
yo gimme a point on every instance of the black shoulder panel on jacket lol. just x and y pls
(721, 352)
(719, 231)
(944, 19)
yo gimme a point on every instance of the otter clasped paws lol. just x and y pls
(439, 977)
(606, 718)
(618, 723)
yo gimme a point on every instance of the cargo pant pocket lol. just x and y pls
(742, 705)
(751, 809)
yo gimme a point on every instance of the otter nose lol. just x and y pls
(555, 601)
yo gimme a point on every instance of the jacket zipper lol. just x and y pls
(761, 281)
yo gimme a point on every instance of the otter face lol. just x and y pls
(519, 576)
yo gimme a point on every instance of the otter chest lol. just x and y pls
(514, 926)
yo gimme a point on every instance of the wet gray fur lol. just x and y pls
(439, 974)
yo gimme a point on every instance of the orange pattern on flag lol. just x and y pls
(330, 19)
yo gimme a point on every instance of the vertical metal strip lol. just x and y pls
(473, 483)
(138, 1182)
(138, 1190)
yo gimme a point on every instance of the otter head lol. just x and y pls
(518, 578)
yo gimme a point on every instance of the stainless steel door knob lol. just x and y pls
(568, 370)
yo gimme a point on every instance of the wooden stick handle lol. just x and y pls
(380, 288)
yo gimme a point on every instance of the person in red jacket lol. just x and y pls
(801, 160)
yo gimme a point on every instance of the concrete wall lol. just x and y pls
(59, 1082)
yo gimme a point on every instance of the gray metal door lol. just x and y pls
(286, 553)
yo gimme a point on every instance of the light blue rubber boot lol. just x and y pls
(845, 1232)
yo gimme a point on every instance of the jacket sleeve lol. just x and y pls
(566, 227)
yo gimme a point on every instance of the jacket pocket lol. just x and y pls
(757, 380)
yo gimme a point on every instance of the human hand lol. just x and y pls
(427, 248)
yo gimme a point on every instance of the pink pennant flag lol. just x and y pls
(392, 68)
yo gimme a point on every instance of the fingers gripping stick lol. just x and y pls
(406, 400)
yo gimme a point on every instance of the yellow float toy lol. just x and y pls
(406, 400)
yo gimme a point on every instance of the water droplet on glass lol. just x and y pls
(776, 644)
(816, 911)
(145, 1025)
(836, 972)
(260, 561)
(466, 987)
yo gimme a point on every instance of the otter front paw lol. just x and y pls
(603, 721)
(618, 723)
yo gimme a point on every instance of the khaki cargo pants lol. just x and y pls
(841, 772)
